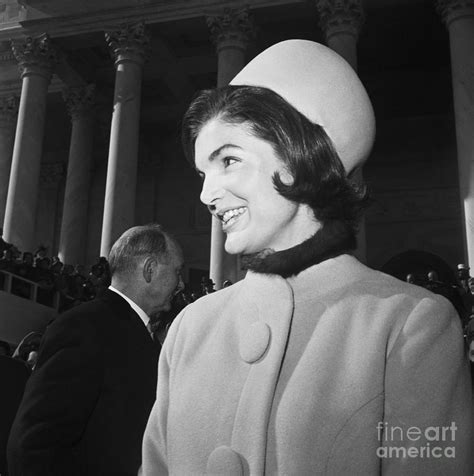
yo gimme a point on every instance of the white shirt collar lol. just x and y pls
(134, 306)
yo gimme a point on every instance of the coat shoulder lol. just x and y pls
(93, 318)
(363, 280)
(398, 303)
(83, 315)
(96, 312)
(385, 285)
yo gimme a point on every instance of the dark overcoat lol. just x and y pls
(87, 402)
(13, 377)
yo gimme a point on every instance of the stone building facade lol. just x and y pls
(92, 93)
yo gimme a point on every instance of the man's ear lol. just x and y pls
(149, 268)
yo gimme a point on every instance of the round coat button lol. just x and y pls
(254, 342)
(224, 460)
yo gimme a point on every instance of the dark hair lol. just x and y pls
(136, 243)
(319, 178)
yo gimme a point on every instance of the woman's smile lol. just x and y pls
(231, 216)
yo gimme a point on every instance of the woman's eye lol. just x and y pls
(229, 161)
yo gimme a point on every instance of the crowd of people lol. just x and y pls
(73, 284)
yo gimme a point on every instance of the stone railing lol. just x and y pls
(14, 284)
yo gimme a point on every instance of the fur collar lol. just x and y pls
(332, 239)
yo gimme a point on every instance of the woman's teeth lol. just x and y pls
(232, 215)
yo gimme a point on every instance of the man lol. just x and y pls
(86, 405)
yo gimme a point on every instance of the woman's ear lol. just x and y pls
(285, 176)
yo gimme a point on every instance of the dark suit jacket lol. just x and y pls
(87, 402)
(13, 377)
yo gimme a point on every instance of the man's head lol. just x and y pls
(146, 264)
(28, 258)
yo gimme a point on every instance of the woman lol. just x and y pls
(314, 363)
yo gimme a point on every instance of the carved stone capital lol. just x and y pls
(51, 174)
(79, 101)
(451, 10)
(340, 16)
(10, 11)
(231, 27)
(8, 110)
(35, 56)
(129, 42)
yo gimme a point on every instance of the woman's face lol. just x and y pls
(237, 168)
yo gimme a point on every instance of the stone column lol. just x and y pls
(72, 241)
(129, 46)
(36, 58)
(8, 115)
(231, 31)
(341, 21)
(459, 18)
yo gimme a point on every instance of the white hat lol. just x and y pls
(323, 87)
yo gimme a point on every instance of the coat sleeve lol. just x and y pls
(154, 452)
(427, 426)
(58, 400)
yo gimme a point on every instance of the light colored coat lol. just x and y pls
(294, 377)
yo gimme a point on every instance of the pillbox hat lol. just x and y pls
(322, 86)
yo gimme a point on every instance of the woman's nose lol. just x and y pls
(211, 190)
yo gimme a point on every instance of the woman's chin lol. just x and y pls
(232, 250)
(233, 246)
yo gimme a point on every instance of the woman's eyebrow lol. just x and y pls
(218, 151)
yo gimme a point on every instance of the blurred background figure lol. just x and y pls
(13, 377)
(207, 286)
(30, 343)
(32, 358)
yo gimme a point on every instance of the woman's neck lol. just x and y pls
(332, 239)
